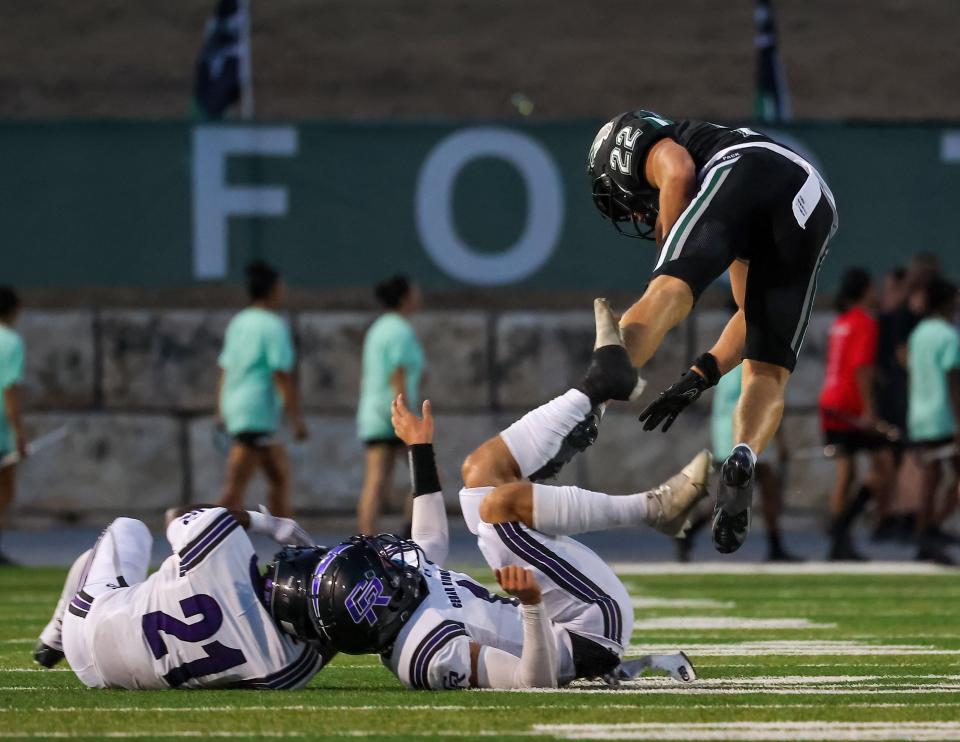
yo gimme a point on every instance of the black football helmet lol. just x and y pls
(364, 590)
(287, 587)
(621, 198)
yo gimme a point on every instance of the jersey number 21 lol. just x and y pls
(219, 658)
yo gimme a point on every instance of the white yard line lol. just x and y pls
(804, 568)
(723, 623)
(808, 730)
(788, 680)
(787, 648)
(838, 663)
(827, 690)
(186, 733)
(650, 602)
(789, 730)
(692, 689)
(458, 709)
(35, 669)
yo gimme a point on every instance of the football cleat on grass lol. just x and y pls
(46, 656)
(731, 516)
(678, 666)
(669, 505)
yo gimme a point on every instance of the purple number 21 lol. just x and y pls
(219, 658)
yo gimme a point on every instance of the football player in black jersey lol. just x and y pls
(718, 199)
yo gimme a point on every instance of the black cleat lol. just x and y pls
(782, 556)
(931, 547)
(731, 517)
(935, 553)
(843, 550)
(583, 435)
(46, 656)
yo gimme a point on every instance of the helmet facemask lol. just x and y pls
(287, 588)
(365, 590)
(621, 206)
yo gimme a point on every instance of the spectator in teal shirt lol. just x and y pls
(933, 363)
(256, 385)
(393, 363)
(12, 436)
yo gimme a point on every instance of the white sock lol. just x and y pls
(470, 500)
(52, 634)
(564, 511)
(535, 438)
(753, 456)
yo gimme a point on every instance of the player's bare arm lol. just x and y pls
(670, 169)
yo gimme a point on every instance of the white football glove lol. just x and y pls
(282, 530)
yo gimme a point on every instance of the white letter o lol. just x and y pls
(434, 206)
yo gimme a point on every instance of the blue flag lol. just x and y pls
(224, 61)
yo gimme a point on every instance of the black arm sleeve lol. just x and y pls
(423, 469)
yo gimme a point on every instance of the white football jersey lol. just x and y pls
(432, 651)
(200, 621)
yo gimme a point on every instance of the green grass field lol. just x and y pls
(780, 656)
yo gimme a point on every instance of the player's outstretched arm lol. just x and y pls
(429, 527)
(282, 530)
(537, 665)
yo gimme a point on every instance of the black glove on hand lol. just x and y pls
(665, 408)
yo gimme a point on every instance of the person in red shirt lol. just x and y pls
(847, 412)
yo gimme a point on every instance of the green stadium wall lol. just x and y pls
(337, 204)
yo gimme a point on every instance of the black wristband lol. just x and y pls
(423, 469)
(708, 364)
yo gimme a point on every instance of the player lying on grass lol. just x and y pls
(437, 629)
(205, 619)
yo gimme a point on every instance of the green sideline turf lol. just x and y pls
(864, 657)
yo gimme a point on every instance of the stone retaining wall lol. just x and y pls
(137, 390)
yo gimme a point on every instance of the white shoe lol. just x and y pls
(669, 505)
(678, 666)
